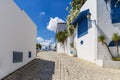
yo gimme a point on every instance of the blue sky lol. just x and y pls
(42, 11)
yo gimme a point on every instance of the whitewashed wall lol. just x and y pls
(91, 49)
(61, 27)
(69, 41)
(60, 47)
(105, 27)
(88, 49)
(17, 33)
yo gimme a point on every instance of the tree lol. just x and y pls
(74, 10)
(62, 37)
(116, 39)
(102, 39)
(38, 46)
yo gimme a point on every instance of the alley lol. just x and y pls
(56, 66)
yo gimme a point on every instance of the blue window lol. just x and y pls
(81, 42)
(17, 56)
(83, 27)
(29, 54)
(114, 10)
(82, 22)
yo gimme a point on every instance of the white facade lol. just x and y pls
(60, 47)
(87, 45)
(17, 33)
(91, 49)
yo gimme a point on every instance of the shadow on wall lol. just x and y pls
(38, 69)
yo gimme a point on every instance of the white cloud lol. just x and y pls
(48, 41)
(53, 23)
(44, 42)
(42, 13)
(40, 39)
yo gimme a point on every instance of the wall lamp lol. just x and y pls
(89, 18)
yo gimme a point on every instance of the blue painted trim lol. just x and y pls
(81, 16)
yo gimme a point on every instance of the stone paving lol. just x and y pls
(55, 66)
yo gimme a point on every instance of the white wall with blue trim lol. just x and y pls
(85, 43)
(103, 23)
(107, 25)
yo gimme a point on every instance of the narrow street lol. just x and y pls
(56, 66)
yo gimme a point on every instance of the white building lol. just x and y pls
(60, 47)
(66, 47)
(105, 20)
(17, 38)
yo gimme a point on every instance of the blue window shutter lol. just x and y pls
(82, 22)
(83, 27)
(115, 11)
(17, 56)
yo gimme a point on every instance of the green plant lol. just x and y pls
(38, 46)
(71, 30)
(116, 58)
(116, 39)
(102, 39)
(62, 36)
(74, 10)
(72, 45)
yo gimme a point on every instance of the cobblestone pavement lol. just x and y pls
(55, 66)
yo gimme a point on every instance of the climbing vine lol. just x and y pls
(73, 9)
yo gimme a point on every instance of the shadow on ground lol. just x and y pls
(38, 69)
